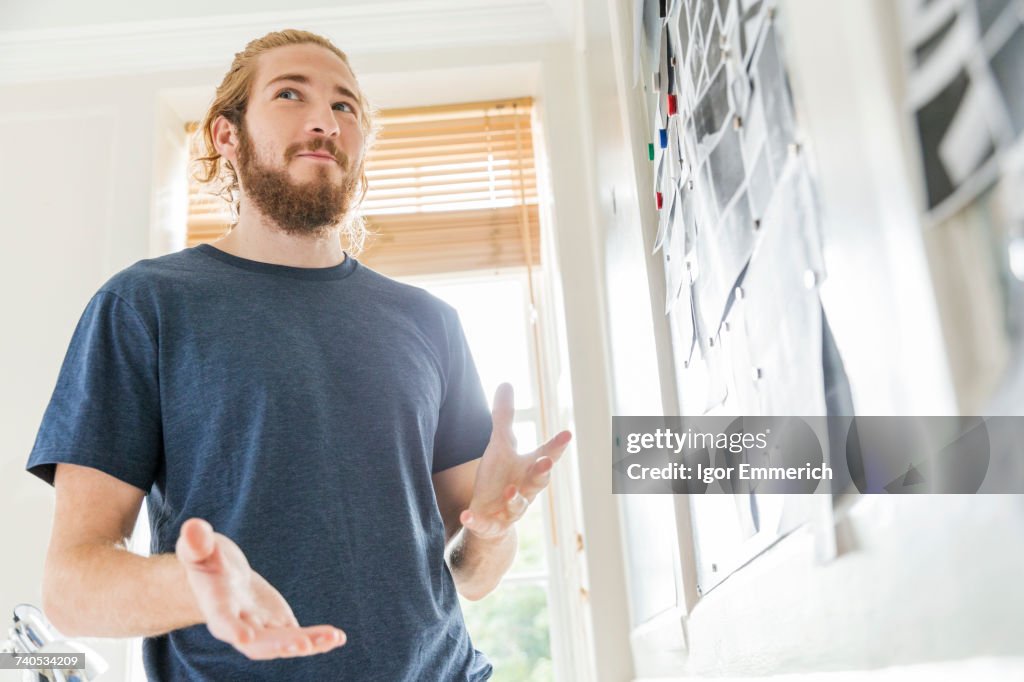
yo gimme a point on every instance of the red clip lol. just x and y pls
(661, 201)
(671, 105)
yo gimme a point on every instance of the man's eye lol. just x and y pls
(289, 92)
(344, 104)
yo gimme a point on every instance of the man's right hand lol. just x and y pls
(240, 607)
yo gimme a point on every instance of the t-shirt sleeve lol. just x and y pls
(105, 409)
(464, 421)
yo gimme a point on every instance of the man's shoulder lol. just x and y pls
(416, 297)
(146, 280)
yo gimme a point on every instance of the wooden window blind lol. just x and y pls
(452, 188)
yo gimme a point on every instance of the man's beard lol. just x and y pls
(310, 208)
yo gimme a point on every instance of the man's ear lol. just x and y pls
(225, 139)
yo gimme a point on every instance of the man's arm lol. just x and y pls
(477, 564)
(481, 500)
(94, 587)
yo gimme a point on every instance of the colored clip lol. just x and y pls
(650, 151)
(660, 199)
(671, 105)
(663, 138)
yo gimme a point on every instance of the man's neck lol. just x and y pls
(255, 238)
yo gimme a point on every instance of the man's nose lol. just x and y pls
(323, 122)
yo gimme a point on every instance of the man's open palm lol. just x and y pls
(507, 482)
(240, 607)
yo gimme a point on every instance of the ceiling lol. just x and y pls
(22, 15)
(59, 39)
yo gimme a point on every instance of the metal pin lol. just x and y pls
(810, 279)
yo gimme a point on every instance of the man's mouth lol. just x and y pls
(317, 156)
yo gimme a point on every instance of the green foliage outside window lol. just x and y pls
(511, 627)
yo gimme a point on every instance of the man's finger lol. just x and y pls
(314, 639)
(289, 642)
(555, 446)
(516, 505)
(537, 478)
(503, 411)
(276, 643)
(253, 620)
(328, 639)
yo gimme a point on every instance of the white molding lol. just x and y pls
(211, 42)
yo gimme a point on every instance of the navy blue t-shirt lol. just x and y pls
(302, 412)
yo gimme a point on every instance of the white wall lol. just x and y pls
(75, 190)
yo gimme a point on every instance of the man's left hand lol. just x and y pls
(507, 482)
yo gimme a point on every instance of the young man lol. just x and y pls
(312, 436)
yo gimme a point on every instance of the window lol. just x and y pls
(453, 188)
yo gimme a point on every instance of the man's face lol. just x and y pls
(300, 148)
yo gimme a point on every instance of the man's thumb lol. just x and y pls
(196, 542)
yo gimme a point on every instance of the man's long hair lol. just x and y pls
(231, 101)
